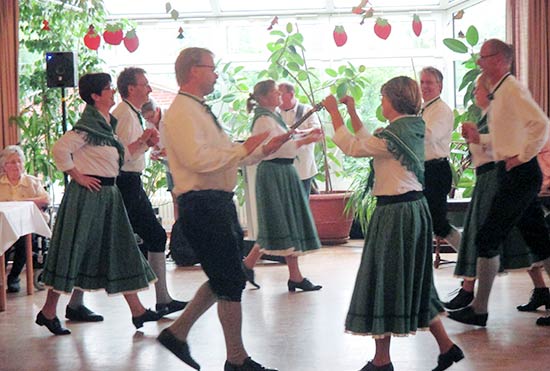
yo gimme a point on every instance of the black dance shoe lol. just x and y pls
(249, 273)
(248, 365)
(543, 321)
(469, 317)
(52, 324)
(461, 300)
(540, 296)
(82, 314)
(13, 284)
(171, 307)
(371, 367)
(178, 347)
(305, 285)
(148, 316)
(446, 360)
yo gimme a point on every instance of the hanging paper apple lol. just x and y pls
(92, 39)
(382, 28)
(416, 25)
(131, 41)
(113, 34)
(340, 36)
(45, 25)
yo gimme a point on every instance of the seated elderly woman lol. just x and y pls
(15, 185)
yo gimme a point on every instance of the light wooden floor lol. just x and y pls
(293, 332)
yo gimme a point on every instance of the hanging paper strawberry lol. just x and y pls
(274, 21)
(180, 33)
(382, 28)
(340, 36)
(92, 39)
(113, 34)
(45, 25)
(417, 25)
(131, 41)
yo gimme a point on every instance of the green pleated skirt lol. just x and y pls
(514, 253)
(93, 245)
(394, 293)
(285, 224)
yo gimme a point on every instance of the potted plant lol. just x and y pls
(333, 218)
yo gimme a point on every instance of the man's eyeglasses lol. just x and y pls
(110, 87)
(213, 68)
(487, 56)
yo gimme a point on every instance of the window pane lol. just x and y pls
(247, 5)
(149, 7)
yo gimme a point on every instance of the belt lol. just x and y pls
(485, 168)
(129, 173)
(405, 197)
(104, 181)
(207, 194)
(436, 161)
(288, 161)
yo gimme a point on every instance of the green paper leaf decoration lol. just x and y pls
(174, 14)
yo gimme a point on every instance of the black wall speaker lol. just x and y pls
(61, 69)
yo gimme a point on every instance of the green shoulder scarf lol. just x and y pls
(98, 131)
(482, 126)
(260, 111)
(405, 141)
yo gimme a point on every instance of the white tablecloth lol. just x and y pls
(18, 219)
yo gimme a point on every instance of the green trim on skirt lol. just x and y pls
(514, 253)
(93, 245)
(285, 224)
(394, 292)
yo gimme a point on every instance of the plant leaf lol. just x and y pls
(455, 45)
(472, 36)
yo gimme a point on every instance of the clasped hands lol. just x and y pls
(276, 142)
(150, 137)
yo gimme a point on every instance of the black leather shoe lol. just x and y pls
(248, 365)
(82, 314)
(171, 307)
(305, 285)
(543, 321)
(178, 347)
(52, 324)
(539, 297)
(446, 360)
(13, 284)
(461, 300)
(249, 273)
(148, 316)
(371, 367)
(469, 317)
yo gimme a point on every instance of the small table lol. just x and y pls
(17, 219)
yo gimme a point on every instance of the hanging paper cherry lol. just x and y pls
(180, 33)
(92, 39)
(45, 25)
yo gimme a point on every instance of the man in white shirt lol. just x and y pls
(204, 163)
(438, 177)
(292, 111)
(134, 90)
(518, 129)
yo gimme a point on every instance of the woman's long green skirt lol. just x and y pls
(285, 224)
(514, 251)
(93, 245)
(394, 292)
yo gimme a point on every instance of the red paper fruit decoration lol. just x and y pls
(131, 41)
(45, 25)
(92, 39)
(113, 34)
(382, 28)
(340, 36)
(416, 25)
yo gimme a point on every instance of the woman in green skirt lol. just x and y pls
(285, 224)
(394, 293)
(93, 246)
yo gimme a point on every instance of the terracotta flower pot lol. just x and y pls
(332, 222)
